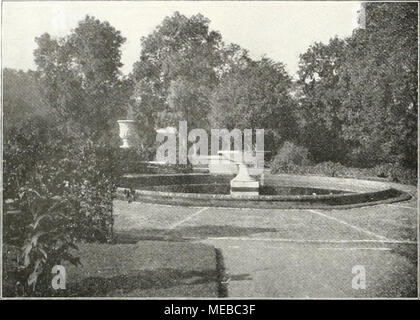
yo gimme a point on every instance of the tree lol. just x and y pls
(190, 102)
(320, 102)
(81, 78)
(379, 85)
(358, 96)
(256, 95)
(176, 72)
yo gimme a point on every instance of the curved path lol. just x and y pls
(295, 253)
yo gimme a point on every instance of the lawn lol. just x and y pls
(143, 269)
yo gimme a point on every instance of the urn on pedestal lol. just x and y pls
(128, 133)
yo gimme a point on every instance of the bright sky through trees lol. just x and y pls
(280, 30)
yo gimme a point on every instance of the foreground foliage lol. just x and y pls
(58, 191)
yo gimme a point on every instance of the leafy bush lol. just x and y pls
(382, 170)
(289, 158)
(50, 232)
(61, 189)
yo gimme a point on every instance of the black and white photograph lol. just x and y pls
(182, 150)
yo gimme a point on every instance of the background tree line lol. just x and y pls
(357, 99)
(354, 102)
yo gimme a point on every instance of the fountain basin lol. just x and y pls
(279, 191)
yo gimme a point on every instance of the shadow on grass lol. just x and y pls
(132, 284)
(186, 233)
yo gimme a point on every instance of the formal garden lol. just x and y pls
(350, 113)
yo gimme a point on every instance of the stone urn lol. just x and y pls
(128, 133)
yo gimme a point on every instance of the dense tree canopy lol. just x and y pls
(256, 97)
(358, 101)
(186, 72)
(379, 86)
(80, 76)
(176, 71)
(320, 101)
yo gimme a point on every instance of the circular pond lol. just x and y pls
(278, 191)
(225, 189)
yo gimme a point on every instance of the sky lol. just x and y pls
(278, 30)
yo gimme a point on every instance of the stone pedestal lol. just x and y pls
(127, 133)
(243, 183)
